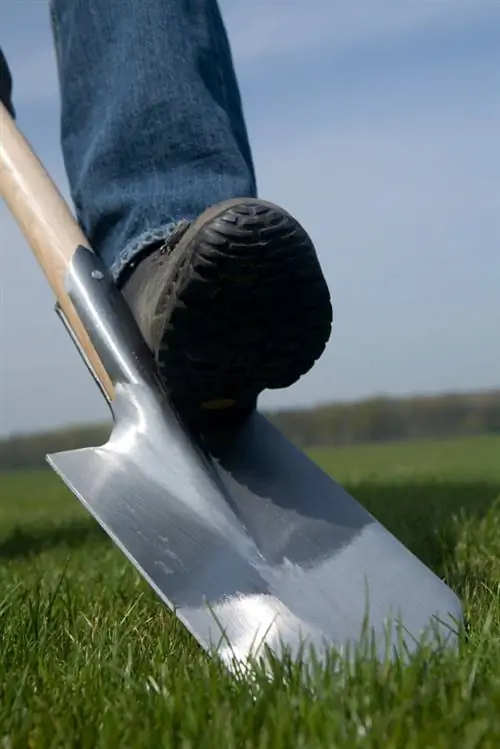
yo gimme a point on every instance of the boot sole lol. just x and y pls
(246, 309)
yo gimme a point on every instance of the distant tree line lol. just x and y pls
(373, 420)
(388, 419)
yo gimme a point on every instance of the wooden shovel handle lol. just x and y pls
(46, 222)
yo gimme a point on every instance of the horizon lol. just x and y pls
(274, 411)
(377, 125)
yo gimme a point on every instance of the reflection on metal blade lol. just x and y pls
(272, 552)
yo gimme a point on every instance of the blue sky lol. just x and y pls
(377, 124)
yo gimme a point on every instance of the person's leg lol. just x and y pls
(152, 127)
(234, 301)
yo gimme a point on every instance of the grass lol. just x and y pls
(90, 658)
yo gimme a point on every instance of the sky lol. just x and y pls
(377, 124)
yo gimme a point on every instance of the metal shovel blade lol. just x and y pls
(242, 535)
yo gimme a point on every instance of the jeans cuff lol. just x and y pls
(138, 245)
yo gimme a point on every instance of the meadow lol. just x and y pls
(90, 658)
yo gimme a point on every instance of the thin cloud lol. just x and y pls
(264, 30)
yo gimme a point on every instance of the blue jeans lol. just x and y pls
(152, 125)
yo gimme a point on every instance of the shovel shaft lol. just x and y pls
(47, 223)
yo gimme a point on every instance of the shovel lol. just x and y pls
(253, 547)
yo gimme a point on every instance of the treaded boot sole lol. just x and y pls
(246, 309)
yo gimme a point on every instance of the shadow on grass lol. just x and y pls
(30, 541)
(418, 514)
(421, 515)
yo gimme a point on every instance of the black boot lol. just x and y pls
(234, 303)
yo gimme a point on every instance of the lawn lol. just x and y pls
(90, 658)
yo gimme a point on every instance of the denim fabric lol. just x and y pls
(152, 126)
